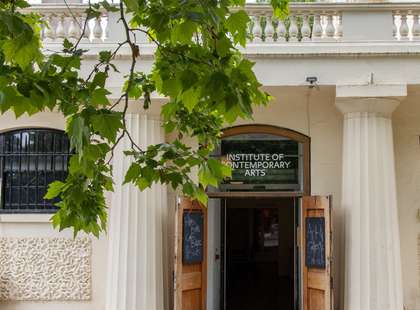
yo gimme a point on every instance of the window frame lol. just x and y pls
(64, 153)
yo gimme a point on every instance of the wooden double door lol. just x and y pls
(313, 289)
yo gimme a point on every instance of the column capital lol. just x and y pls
(376, 99)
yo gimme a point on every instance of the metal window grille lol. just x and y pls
(30, 159)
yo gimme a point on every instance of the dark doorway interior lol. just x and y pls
(259, 254)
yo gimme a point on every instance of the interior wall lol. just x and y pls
(406, 125)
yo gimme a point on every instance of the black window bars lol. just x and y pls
(30, 159)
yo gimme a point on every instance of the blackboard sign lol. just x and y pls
(315, 242)
(192, 241)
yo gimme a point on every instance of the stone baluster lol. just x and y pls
(317, 28)
(86, 34)
(115, 29)
(44, 19)
(281, 31)
(329, 28)
(394, 25)
(416, 26)
(60, 32)
(404, 29)
(269, 29)
(339, 27)
(106, 27)
(250, 29)
(97, 31)
(257, 30)
(49, 31)
(74, 31)
(306, 29)
(293, 29)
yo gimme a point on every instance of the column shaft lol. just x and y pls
(137, 224)
(372, 259)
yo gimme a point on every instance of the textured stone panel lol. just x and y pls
(45, 269)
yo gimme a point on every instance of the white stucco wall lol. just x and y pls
(406, 122)
(21, 225)
(312, 113)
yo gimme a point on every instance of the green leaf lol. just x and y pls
(105, 56)
(99, 80)
(132, 5)
(190, 98)
(219, 169)
(223, 46)
(183, 32)
(109, 7)
(188, 189)
(99, 97)
(143, 183)
(56, 220)
(23, 105)
(206, 177)
(171, 87)
(237, 24)
(78, 132)
(8, 96)
(67, 44)
(201, 196)
(132, 173)
(22, 53)
(22, 4)
(280, 7)
(54, 189)
(107, 124)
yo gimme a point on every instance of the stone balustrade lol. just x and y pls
(318, 22)
(62, 22)
(303, 24)
(406, 25)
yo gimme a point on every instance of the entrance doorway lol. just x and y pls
(261, 242)
(259, 262)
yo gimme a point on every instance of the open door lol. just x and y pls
(190, 275)
(316, 253)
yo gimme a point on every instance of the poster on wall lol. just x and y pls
(192, 249)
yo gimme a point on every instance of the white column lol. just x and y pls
(137, 226)
(373, 279)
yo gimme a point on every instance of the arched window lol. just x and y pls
(30, 159)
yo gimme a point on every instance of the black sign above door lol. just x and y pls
(262, 162)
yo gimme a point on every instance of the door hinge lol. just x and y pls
(331, 282)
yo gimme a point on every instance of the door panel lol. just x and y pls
(190, 279)
(316, 253)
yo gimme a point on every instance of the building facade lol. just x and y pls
(345, 83)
